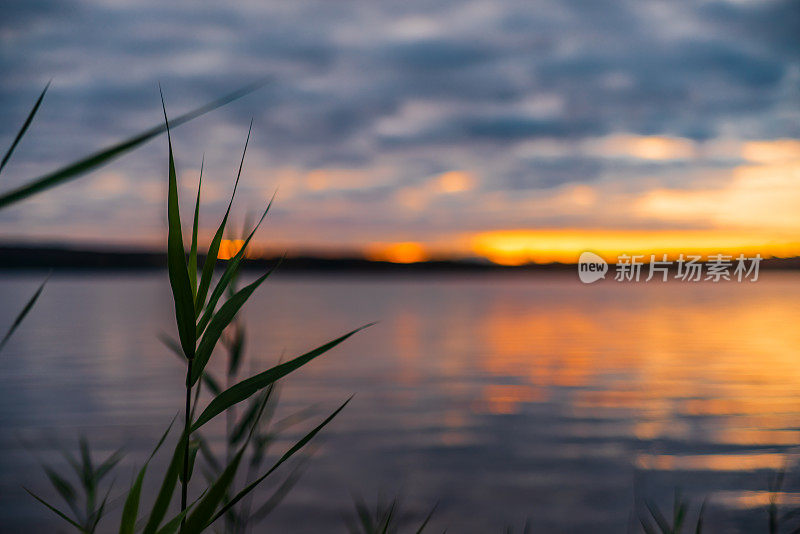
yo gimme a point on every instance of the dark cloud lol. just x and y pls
(422, 86)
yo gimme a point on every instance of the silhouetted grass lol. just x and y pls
(84, 510)
(654, 521)
(387, 517)
(201, 321)
(88, 164)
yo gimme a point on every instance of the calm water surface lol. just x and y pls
(500, 397)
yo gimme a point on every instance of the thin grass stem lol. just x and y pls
(186, 430)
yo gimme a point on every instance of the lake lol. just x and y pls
(499, 397)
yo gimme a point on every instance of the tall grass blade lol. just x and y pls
(198, 520)
(164, 496)
(230, 272)
(219, 322)
(659, 518)
(288, 454)
(98, 159)
(430, 515)
(21, 316)
(130, 510)
(24, 128)
(194, 446)
(106, 467)
(172, 526)
(87, 469)
(195, 224)
(278, 495)
(63, 487)
(98, 515)
(213, 249)
(389, 515)
(246, 388)
(55, 510)
(175, 347)
(176, 260)
(249, 418)
(236, 351)
(646, 526)
(679, 508)
(699, 528)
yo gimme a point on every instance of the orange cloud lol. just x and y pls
(644, 147)
(776, 151)
(451, 182)
(333, 179)
(455, 181)
(759, 197)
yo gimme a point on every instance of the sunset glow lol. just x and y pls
(517, 247)
(407, 252)
(228, 248)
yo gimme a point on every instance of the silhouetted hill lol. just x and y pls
(74, 258)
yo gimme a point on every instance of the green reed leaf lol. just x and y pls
(699, 527)
(55, 510)
(63, 487)
(130, 510)
(175, 348)
(176, 259)
(424, 524)
(98, 514)
(98, 159)
(658, 517)
(21, 316)
(218, 323)
(213, 249)
(195, 224)
(248, 419)
(24, 128)
(172, 526)
(194, 446)
(198, 520)
(288, 454)
(246, 388)
(164, 496)
(106, 467)
(229, 274)
(236, 350)
(280, 493)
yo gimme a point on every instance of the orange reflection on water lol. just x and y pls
(505, 399)
(660, 354)
(711, 462)
(756, 499)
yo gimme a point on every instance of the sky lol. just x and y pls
(515, 130)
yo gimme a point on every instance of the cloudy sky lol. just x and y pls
(485, 127)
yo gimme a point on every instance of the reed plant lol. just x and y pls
(654, 521)
(86, 165)
(202, 316)
(386, 517)
(207, 317)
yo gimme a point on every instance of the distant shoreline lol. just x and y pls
(85, 258)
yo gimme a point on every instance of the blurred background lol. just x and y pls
(492, 132)
(429, 122)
